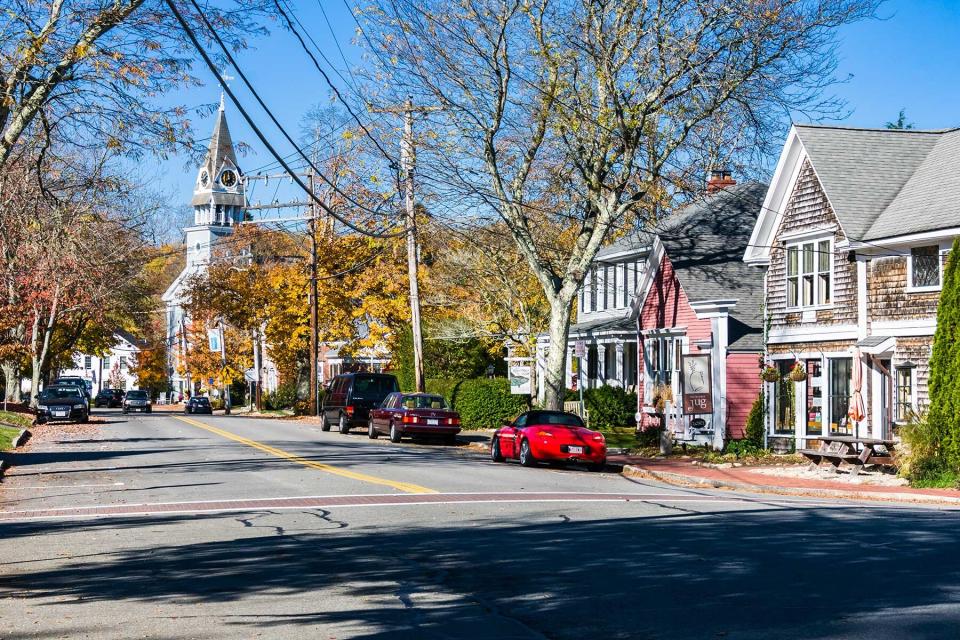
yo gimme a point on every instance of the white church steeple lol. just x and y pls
(218, 196)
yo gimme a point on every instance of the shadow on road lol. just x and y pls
(762, 573)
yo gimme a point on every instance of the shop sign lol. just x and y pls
(697, 384)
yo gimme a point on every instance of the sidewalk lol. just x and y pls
(684, 473)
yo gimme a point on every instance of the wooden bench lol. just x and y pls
(844, 449)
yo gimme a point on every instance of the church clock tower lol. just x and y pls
(219, 204)
(218, 195)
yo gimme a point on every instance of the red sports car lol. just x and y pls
(403, 414)
(549, 436)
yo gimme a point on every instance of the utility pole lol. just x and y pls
(314, 399)
(223, 363)
(407, 164)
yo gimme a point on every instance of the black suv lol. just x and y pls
(109, 398)
(350, 397)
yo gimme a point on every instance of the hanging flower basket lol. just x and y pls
(798, 373)
(770, 374)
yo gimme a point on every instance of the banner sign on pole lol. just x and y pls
(519, 374)
(213, 337)
(697, 384)
(580, 349)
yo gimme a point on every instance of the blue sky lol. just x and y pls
(908, 58)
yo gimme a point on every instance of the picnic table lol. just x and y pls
(857, 452)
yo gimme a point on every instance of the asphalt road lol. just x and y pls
(229, 527)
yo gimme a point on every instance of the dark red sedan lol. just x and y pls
(549, 436)
(403, 414)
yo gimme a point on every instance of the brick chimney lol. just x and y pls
(719, 179)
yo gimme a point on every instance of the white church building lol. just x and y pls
(219, 202)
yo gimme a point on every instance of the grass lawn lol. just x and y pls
(19, 420)
(7, 434)
(621, 437)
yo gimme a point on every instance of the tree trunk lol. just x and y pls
(554, 376)
(11, 382)
(39, 357)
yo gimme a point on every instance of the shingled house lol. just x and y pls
(681, 289)
(852, 236)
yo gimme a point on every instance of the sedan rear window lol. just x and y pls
(424, 402)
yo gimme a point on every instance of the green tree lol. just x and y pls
(900, 122)
(944, 416)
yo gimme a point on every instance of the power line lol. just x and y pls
(326, 78)
(213, 69)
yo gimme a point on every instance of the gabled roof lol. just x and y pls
(931, 197)
(705, 242)
(863, 170)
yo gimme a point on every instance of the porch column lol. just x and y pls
(621, 378)
(601, 362)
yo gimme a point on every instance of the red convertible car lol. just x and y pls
(549, 436)
(403, 414)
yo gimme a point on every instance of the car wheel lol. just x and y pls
(526, 456)
(395, 434)
(343, 426)
(150, 410)
(495, 454)
(371, 430)
(125, 412)
(324, 424)
(85, 418)
(450, 440)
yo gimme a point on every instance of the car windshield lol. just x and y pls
(60, 393)
(201, 401)
(373, 386)
(137, 395)
(554, 418)
(424, 402)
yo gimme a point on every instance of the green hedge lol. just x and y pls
(483, 403)
(610, 407)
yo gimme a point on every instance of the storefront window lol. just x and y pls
(784, 405)
(904, 394)
(840, 372)
(814, 398)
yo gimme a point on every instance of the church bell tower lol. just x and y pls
(218, 194)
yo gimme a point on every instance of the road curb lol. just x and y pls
(677, 479)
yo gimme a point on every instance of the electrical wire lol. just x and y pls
(213, 69)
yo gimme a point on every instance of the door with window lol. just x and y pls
(663, 370)
(840, 372)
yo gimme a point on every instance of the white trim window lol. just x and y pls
(925, 268)
(809, 274)
(903, 392)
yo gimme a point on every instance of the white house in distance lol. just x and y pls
(98, 369)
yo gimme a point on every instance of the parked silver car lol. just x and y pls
(137, 400)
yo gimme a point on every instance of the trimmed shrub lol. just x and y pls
(483, 403)
(742, 448)
(610, 407)
(753, 432)
(283, 398)
(453, 359)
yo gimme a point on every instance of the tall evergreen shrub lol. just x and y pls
(944, 416)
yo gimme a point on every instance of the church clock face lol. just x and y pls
(228, 178)
(204, 178)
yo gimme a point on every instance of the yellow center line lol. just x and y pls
(406, 487)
